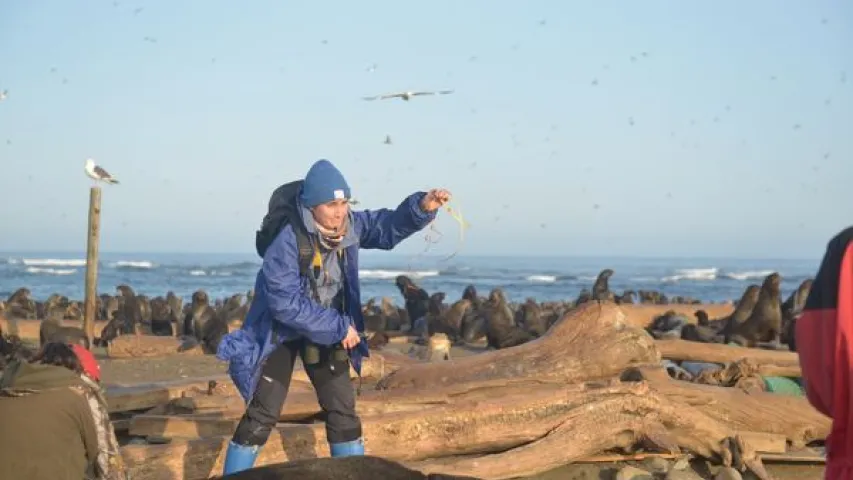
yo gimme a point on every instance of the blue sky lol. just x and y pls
(576, 128)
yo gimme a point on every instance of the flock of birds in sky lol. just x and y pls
(98, 174)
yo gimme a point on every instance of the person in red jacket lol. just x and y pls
(824, 344)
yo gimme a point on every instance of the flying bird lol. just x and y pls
(3, 95)
(387, 140)
(407, 95)
(98, 174)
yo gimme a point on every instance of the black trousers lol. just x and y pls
(331, 381)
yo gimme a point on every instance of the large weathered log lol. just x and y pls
(785, 415)
(580, 416)
(301, 405)
(124, 398)
(771, 362)
(615, 422)
(589, 342)
(141, 346)
(29, 329)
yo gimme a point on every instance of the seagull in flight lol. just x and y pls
(406, 95)
(3, 95)
(98, 174)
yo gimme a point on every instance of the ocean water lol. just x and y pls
(542, 278)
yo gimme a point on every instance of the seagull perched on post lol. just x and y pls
(98, 174)
(407, 95)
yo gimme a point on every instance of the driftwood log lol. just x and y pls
(592, 383)
(141, 346)
(770, 362)
(28, 329)
(535, 425)
(590, 342)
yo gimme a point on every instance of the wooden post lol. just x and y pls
(93, 236)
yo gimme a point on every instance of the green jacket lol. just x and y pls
(46, 427)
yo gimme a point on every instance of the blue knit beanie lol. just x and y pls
(323, 183)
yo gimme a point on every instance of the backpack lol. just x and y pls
(283, 210)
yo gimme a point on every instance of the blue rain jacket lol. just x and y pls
(283, 308)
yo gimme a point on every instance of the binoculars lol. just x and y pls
(311, 353)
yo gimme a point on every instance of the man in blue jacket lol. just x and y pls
(308, 303)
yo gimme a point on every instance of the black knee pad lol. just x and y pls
(262, 413)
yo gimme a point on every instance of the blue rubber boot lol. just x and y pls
(239, 457)
(347, 449)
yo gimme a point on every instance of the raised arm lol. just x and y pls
(383, 229)
(283, 287)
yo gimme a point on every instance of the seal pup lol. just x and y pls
(367, 467)
(765, 322)
(702, 331)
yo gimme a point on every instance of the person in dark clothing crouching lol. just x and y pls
(54, 418)
(308, 303)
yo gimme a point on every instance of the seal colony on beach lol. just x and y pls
(491, 325)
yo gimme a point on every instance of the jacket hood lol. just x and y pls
(29, 376)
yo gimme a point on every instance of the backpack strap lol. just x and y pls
(309, 256)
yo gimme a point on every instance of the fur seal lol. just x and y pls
(501, 330)
(702, 331)
(437, 317)
(129, 313)
(21, 305)
(161, 317)
(667, 325)
(452, 319)
(374, 319)
(529, 316)
(627, 297)
(791, 310)
(176, 307)
(601, 289)
(743, 310)
(51, 331)
(765, 322)
(473, 326)
(200, 312)
(417, 299)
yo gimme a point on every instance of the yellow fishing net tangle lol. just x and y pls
(433, 235)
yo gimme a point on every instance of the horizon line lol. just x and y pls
(81, 254)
